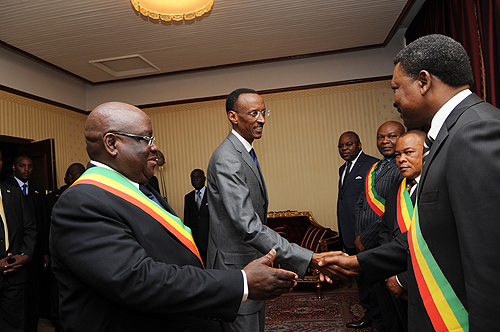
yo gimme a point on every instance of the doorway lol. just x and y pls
(41, 153)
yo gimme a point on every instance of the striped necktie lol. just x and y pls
(427, 148)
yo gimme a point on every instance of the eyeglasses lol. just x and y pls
(348, 144)
(255, 114)
(148, 139)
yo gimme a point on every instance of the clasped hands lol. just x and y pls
(334, 265)
(12, 263)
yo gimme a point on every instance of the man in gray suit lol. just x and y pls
(238, 201)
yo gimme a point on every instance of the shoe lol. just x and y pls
(360, 324)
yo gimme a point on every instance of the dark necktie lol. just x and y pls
(148, 193)
(382, 165)
(198, 198)
(25, 189)
(427, 148)
(254, 157)
(347, 171)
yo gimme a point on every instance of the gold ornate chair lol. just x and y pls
(300, 227)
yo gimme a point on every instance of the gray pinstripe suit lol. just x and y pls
(367, 221)
(237, 201)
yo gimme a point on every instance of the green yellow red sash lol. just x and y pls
(376, 202)
(118, 185)
(404, 208)
(444, 308)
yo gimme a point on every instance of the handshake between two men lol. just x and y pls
(265, 282)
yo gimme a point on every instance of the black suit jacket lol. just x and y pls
(389, 227)
(349, 195)
(459, 204)
(197, 220)
(367, 221)
(35, 201)
(120, 270)
(22, 230)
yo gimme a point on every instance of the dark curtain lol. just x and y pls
(477, 33)
(488, 13)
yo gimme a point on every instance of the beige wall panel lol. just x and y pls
(298, 151)
(26, 118)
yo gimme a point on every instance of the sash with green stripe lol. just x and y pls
(404, 208)
(444, 308)
(376, 202)
(118, 185)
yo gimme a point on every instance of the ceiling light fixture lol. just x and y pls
(168, 10)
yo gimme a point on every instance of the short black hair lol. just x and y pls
(352, 133)
(233, 98)
(16, 159)
(441, 56)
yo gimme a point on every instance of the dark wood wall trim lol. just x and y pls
(279, 90)
(43, 100)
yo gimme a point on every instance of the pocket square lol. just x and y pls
(359, 177)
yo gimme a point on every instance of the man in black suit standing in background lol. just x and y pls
(351, 183)
(35, 199)
(196, 214)
(17, 243)
(369, 210)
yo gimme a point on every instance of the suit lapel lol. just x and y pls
(450, 121)
(249, 161)
(5, 197)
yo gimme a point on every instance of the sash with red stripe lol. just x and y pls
(118, 185)
(376, 202)
(444, 308)
(404, 208)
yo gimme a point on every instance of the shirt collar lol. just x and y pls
(245, 143)
(21, 183)
(202, 190)
(96, 163)
(445, 110)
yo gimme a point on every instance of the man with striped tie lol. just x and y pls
(453, 238)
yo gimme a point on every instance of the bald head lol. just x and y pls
(106, 118)
(116, 135)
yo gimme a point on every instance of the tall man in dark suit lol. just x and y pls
(369, 210)
(397, 217)
(196, 212)
(35, 199)
(123, 259)
(456, 232)
(351, 184)
(238, 201)
(17, 243)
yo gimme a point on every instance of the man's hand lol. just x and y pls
(360, 247)
(46, 262)
(330, 272)
(18, 261)
(395, 289)
(264, 282)
(342, 263)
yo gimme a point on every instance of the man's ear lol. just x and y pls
(109, 141)
(233, 118)
(424, 82)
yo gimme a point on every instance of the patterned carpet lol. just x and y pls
(297, 313)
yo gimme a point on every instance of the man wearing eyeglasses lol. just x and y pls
(238, 201)
(123, 259)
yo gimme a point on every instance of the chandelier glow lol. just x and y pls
(172, 10)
